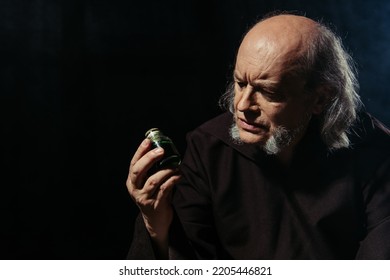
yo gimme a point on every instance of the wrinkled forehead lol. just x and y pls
(269, 56)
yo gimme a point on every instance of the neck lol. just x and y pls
(285, 157)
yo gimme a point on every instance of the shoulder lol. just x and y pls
(370, 131)
(212, 133)
(370, 144)
(371, 135)
(217, 127)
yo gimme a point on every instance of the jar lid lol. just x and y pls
(152, 131)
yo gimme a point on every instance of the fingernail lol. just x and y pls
(158, 151)
(145, 142)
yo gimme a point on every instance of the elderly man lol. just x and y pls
(295, 169)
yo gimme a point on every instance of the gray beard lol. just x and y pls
(280, 138)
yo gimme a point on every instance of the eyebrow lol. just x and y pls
(257, 83)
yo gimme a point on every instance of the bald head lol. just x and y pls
(282, 28)
(286, 23)
(285, 35)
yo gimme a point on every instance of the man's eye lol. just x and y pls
(275, 97)
(241, 84)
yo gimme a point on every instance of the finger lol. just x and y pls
(143, 148)
(157, 197)
(142, 200)
(154, 182)
(139, 173)
(167, 187)
(139, 168)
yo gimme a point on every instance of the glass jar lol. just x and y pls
(171, 158)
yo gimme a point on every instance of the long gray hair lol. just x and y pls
(327, 65)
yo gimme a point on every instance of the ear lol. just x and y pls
(321, 100)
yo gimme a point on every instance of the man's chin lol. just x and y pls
(251, 138)
(253, 141)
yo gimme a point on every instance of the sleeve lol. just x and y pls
(376, 243)
(141, 247)
(192, 200)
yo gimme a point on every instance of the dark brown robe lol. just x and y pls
(236, 202)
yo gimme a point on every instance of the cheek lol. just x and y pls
(237, 97)
(274, 112)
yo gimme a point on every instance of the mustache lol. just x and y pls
(253, 121)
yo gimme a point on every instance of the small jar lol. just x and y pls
(171, 157)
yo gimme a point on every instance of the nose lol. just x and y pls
(246, 100)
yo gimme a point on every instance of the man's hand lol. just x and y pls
(152, 193)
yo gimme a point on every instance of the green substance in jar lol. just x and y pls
(171, 157)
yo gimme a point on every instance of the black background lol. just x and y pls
(81, 81)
